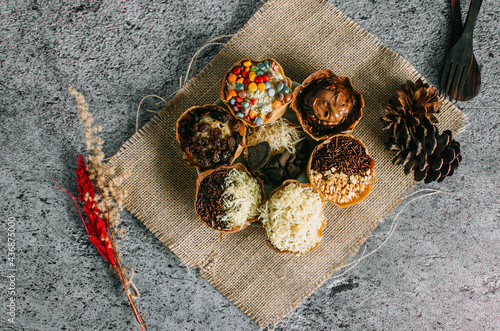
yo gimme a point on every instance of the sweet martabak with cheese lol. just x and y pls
(258, 92)
(293, 218)
(227, 198)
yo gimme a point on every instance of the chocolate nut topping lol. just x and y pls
(344, 154)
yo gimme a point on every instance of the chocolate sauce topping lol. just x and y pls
(328, 103)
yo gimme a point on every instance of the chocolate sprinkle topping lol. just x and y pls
(344, 154)
(209, 201)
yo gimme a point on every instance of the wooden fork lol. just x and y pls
(459, 59)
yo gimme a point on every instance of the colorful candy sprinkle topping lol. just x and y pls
(255, 90)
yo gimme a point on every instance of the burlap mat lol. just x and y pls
(304, 36)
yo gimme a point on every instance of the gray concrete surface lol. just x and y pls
(440, 270)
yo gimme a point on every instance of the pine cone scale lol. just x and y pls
(436, 162)
(431, 176)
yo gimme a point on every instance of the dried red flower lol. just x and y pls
(96, 225)
(101, 223)
(96, 228)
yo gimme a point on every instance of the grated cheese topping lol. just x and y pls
(242, 197)
(280, 135)
(292, 218)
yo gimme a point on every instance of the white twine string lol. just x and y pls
(129, 283)
(151, 111)
(388, 235)
(195, 56)
(182, 82)
(392, 228)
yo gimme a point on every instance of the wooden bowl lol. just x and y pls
(193, 159)
(203, 175)
(367, 189)
(276, 113)
(326, 78)
(320, 230)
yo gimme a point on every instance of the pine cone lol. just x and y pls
(432, 156)
(412, 106)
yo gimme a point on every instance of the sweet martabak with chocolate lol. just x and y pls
(210, 136)
(258, 92)
(277, 152)
(327, 104)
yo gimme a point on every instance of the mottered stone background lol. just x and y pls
(440, 269)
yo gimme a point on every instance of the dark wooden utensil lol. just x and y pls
(473, 80)
(458, 61)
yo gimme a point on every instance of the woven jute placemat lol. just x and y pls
(303, 36)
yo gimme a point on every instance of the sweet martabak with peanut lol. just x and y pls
(342, 170)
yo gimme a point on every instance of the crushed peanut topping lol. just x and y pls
(339, 187)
